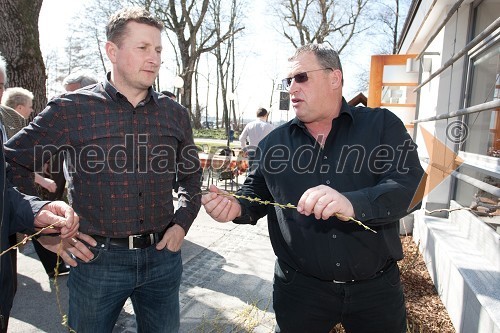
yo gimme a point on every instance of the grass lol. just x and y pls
(219, 134)
(246, 320)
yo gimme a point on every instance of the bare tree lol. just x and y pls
(223, 60)
(388, 17)
(318, 21)
(84, 47)
(20, 46)
(195, 34)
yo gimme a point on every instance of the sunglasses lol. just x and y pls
(300, 78)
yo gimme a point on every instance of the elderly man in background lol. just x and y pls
(78, 80)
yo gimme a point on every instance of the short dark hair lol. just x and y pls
(261, 112)
(117, 23)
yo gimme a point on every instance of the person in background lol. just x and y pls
(169, 94)
(125, 142)
(333, 162)
(254, 132)
(17, 105)
(12, 120)
(77, 80)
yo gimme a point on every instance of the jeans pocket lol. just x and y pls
(173, 252)
(284, 273)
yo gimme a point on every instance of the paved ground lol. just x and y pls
(226, 286)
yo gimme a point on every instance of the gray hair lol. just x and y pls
(12, 97)
(84, 79)
(3, 67)
(326, 55)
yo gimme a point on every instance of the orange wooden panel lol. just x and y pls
(375, 87)
(376, 75)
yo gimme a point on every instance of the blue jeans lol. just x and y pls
(98, 290)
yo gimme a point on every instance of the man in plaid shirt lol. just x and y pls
(122, 142)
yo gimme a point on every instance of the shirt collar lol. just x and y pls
(345, 109)
(115, 94)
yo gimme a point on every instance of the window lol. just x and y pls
(478, 187)
(484, 127)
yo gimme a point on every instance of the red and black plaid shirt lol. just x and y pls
(121, 159)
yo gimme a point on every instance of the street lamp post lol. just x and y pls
(230, 97)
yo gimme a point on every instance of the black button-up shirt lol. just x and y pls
(370, 158)
(121, 159)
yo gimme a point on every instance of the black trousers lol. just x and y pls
(56, 173)
(306, 304)
(47, 258)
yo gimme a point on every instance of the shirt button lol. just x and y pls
(388, 213)
(141, 221)
(327, 182)
(325, 157)
(140, 194)
(338, 264)
(133, 112)
(363, 214)
(334, 236)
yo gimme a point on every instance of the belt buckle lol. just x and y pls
(131, 241)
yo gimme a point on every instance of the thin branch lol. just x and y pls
(288, 205)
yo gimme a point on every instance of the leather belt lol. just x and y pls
(387, 266)
(131, 242)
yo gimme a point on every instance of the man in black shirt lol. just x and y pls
(344, 162)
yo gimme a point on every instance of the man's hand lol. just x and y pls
(324, 202)
(173, 238)
(70, 246)
(222, 208)
(59, 212)
(46, 183)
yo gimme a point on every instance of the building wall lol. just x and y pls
(457, 261)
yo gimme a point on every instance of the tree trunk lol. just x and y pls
(20, 46)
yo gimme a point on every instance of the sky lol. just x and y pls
(263, 60)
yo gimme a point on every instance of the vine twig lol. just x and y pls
(28, 238)
(447, 210)
(288, 205)
(56, 269)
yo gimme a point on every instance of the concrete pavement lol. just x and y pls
(226, 285)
